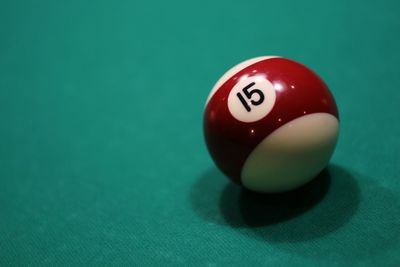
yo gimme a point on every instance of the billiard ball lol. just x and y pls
(271, 124)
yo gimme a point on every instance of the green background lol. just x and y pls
(102, 158)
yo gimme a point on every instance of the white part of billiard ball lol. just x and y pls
(251, 99)
(292, 155)
(233, 71)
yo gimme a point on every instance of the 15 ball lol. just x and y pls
(271, 124)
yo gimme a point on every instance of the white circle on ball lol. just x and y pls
(251, 99)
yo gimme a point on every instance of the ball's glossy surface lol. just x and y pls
(271, 124)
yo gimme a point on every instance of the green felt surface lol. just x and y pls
(102, 158)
